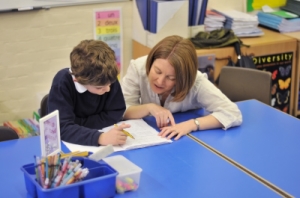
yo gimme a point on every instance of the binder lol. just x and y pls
(196, 12)
(143, 7)
(191, 11)
(164, 18)
(161, 12)
(203, 12)
(153, 16)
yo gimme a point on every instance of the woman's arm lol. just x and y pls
(223, 113)
(162, 115)
(137, 111)
(183, 128)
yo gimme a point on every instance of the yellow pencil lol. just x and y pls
(126, 132)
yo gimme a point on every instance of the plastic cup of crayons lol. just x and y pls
(73, 177)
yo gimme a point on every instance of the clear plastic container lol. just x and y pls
(128, 178)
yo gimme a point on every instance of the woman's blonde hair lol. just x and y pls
(181, 54)
(93, 62)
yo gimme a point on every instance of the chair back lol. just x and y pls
(7, 133)
(44, 106)
(243, 84)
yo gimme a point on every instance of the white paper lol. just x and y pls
(143, 133)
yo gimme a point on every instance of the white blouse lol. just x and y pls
(203, 94)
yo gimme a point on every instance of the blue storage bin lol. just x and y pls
(100, 182)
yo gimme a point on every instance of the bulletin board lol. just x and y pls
(280, 65)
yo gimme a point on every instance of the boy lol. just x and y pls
(89, 97)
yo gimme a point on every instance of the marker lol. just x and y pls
(126, 132)
(40, 170)
(36, 169)
(56, 166)
(47, 174)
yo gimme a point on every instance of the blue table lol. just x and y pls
(267, 143)
(180, 169)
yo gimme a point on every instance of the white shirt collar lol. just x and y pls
(79, 87)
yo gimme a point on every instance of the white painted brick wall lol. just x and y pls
(34, 45)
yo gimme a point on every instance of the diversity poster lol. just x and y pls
(108, 28)
(280, 65)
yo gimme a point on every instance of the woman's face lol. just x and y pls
(162, 77)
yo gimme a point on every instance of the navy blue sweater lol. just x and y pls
(83, 114)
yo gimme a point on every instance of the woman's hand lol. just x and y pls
(178, 130)
(162, 115)
(114, 136)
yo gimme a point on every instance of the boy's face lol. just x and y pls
(99, 90)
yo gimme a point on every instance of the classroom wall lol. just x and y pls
(34, 45)
(239, 5)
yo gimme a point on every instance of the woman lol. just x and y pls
(168, 81)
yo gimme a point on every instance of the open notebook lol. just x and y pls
(143, 133)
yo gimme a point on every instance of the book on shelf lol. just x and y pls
(279, 23)
(242, 24)
(144, 136)
(210, 14)
(24, 127)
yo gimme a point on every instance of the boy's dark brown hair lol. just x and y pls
(93, 62)
(181, 54)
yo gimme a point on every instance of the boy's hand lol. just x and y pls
(114, 136)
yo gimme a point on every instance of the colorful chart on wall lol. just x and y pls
(108, 28)
(258, 4)
(280, 65)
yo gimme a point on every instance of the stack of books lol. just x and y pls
(24, 127)
(292, 6)
(213, 21)
(242, 24)
(279, 21)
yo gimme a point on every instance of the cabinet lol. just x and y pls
(269, 44)
(296, 35)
